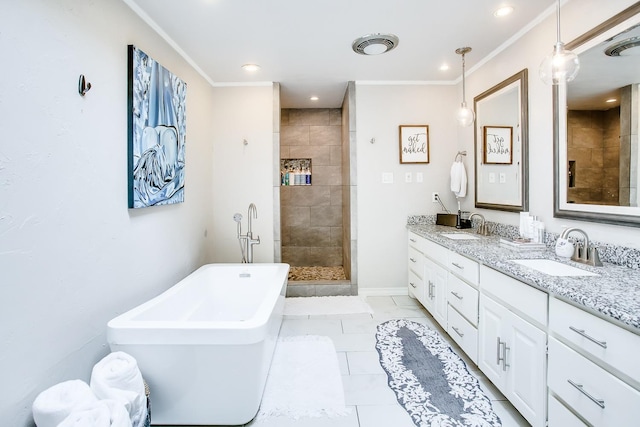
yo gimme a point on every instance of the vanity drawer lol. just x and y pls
(415, 241)
(607, 342)
(464, 298)
(560, 416)
(522, 298)
(416, 262)
(599, 397)
(464, 267)
(463, 333)
(416, 286)
(438, 253)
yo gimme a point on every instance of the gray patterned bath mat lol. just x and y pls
(429, 379)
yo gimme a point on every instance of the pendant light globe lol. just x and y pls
(464, 115)
(562, 65)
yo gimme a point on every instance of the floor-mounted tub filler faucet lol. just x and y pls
(247, 240)
(587, 254)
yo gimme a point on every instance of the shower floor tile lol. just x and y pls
(316, 273)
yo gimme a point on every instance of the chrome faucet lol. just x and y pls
(482, 228)
(587, 254)
(250, 241)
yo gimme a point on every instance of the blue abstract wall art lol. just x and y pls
(157, 132)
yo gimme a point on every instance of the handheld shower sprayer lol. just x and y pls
(238, 218)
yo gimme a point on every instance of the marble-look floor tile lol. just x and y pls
(364, 362)
(384, 416)
(371, 389)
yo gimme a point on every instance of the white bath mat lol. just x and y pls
(304, 380)
(326, 305)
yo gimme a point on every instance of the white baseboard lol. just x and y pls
(382, 292)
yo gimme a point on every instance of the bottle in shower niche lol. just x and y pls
(307, 176)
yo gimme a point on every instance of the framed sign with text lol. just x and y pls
(498, 145)
(414, 144)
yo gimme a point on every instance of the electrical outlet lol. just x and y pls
(434, 197)
(419, 177)
(503, 178)
(408, 177)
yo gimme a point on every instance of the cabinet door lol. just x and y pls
(526, 360)
(436, 287)
(491, 339)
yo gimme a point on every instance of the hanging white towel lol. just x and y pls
(117, 377)
(458, 179)
(56, 403)
(102, 413)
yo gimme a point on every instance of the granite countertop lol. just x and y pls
(614, 292)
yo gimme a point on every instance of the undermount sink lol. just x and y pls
(459, 236)
(553, 268)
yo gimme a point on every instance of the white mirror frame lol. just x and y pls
(621, 215)
(520, 138)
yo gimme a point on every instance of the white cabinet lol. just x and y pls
(593, 367)
(435, 277)
(415, 264)
(511, 350)
(446, 284)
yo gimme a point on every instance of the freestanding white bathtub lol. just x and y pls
(205, 345)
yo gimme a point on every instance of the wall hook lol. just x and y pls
(245, 142)
(372, 140)
(83, 85)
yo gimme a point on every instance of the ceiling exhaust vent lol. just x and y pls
(374, 44)
(618, 48)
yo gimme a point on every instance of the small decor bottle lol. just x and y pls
(307, 177)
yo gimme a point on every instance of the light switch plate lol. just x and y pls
(492, 178)
(503, 178)
(408, 177)
(419, 177)
(387, 177)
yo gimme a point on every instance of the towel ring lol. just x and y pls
(460, 154)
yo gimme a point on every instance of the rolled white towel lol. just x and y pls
(102, 413)
(55, 403)
(117, 377)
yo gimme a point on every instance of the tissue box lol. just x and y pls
(447, 219)
(451, 220)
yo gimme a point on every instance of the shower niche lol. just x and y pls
(295, 171)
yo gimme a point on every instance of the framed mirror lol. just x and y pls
(596, 123)
(501, 146)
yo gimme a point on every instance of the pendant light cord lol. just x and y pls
(464, 97)
(558, 21)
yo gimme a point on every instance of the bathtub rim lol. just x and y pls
(124, 330)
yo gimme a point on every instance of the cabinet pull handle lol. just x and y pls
(412, 260)
(457, 331)
(505, 365)
(498, 351)
(457, 265)
(413, 240)
(412, 284)
(580, 388)
(431, 290)
(456, 295)
(581, 332)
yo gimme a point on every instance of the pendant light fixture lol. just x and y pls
(562, 65)
(464, 115)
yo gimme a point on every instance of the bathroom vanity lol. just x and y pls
(559, 339)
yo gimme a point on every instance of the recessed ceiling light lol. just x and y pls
(503, 11)
(610, 100)
(444, 67)
(314, 98)
(252, 68)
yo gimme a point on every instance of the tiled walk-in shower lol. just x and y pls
(312, 209)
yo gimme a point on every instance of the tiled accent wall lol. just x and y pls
(311, 216)
(594, 144)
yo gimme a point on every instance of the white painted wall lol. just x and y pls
(242, 174)
(578, 17)
(72, 256)
(383, 208)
